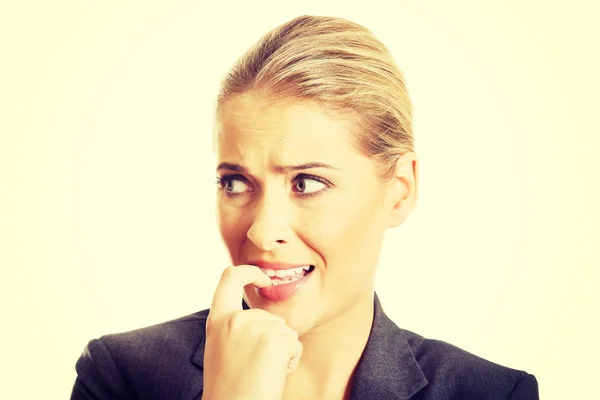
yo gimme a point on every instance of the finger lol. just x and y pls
(295, 350)
(295, 356)
(229, 292)
(292, 365)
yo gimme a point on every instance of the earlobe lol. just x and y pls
(403, 189)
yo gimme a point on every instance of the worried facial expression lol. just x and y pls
(294, 190)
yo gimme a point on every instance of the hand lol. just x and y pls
(248, 353)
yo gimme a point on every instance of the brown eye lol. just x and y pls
(309, 184)
(301, 185)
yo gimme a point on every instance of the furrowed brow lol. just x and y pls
(279, 168)
(232, 166)
(299, 167)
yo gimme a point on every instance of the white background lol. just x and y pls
(107, 176)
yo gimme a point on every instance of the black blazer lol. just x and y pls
(166, 361)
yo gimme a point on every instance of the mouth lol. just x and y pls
(285, 283)
(287, 276)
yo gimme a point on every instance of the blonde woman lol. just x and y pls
(315, 154)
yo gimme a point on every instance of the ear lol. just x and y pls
(402, 189)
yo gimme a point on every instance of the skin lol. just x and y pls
(266, 213)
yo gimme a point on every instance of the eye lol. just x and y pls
(309, 184)
(232, 184)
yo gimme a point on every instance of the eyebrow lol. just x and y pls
(278, 168)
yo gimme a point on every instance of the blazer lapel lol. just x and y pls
(388, 368)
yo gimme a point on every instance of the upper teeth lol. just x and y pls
(282, 273)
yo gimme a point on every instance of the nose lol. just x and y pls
(269, 228)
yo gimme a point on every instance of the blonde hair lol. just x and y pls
(338, 64)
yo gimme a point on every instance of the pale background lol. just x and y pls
(107, 195)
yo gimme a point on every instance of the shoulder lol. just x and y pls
(174, 335)
(155, 358)
(449, 368)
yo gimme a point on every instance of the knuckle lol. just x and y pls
(235, 321)
(256, 330)
(210, 323)
(228, 272)
(213, 323)
(269, 342)
(292, 333)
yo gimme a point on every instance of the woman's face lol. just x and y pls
(331, 217)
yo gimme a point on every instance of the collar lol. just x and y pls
(387, 368)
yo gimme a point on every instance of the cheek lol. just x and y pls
(344, 233)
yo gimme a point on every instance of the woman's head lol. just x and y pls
(320, 91)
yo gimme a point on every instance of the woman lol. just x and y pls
(315, 162)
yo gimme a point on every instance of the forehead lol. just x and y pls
(251, 125)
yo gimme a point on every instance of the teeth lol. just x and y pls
(279, 282)
(282, 273)
(269, 272)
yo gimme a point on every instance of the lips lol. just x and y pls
(287, 279)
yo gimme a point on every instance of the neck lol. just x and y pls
(331, 352)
